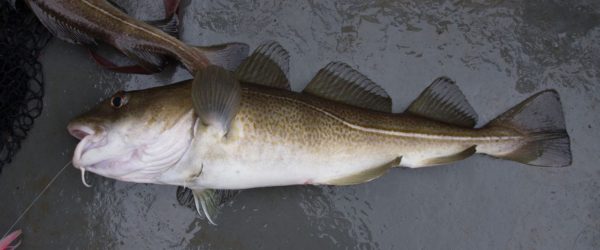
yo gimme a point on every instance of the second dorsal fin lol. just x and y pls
(443, 101)
(268, 65)
(339, 82)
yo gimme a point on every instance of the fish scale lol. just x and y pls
(248, 130)
(88, 22)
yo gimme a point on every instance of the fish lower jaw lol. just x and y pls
(84, 146)
(134, 165)
(97, 166)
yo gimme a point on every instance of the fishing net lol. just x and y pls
(21, 83)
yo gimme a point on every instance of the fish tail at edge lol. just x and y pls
(540, 120)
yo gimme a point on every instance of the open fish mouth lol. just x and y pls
(80, 131)
(85, 145)
(89, 139)
(92, 152)
(114, 155)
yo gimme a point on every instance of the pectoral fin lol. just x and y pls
(209, 200)
(216, 96)
(366, 175)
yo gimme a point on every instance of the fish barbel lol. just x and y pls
(90, 21)
(224, 131)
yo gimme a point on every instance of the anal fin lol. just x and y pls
(366, 175)
(451, 158)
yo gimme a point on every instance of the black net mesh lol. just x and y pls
(21, 83)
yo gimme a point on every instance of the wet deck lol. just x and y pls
(498, 54)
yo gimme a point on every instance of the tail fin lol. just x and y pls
(541, 119)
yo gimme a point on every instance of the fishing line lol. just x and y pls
(35, 199)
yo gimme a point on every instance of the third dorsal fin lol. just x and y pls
(443, 101)
(339, 82)
(268, 65)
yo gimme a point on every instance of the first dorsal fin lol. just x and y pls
(268, 65)
(339, 82)
(443, 101)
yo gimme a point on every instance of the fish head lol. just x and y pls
(135, 136)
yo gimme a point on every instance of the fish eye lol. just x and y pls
(118, 100)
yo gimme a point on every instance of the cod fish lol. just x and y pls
(246, 129)
(90, 21)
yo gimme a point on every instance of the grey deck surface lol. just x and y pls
(498, 52)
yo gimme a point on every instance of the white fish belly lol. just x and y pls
(250, 165)
(257, 165)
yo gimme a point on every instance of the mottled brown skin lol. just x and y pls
(163, 106)
(280, 137)
(279, 112)
(291, 117)
(103, 22)
(299, 118)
